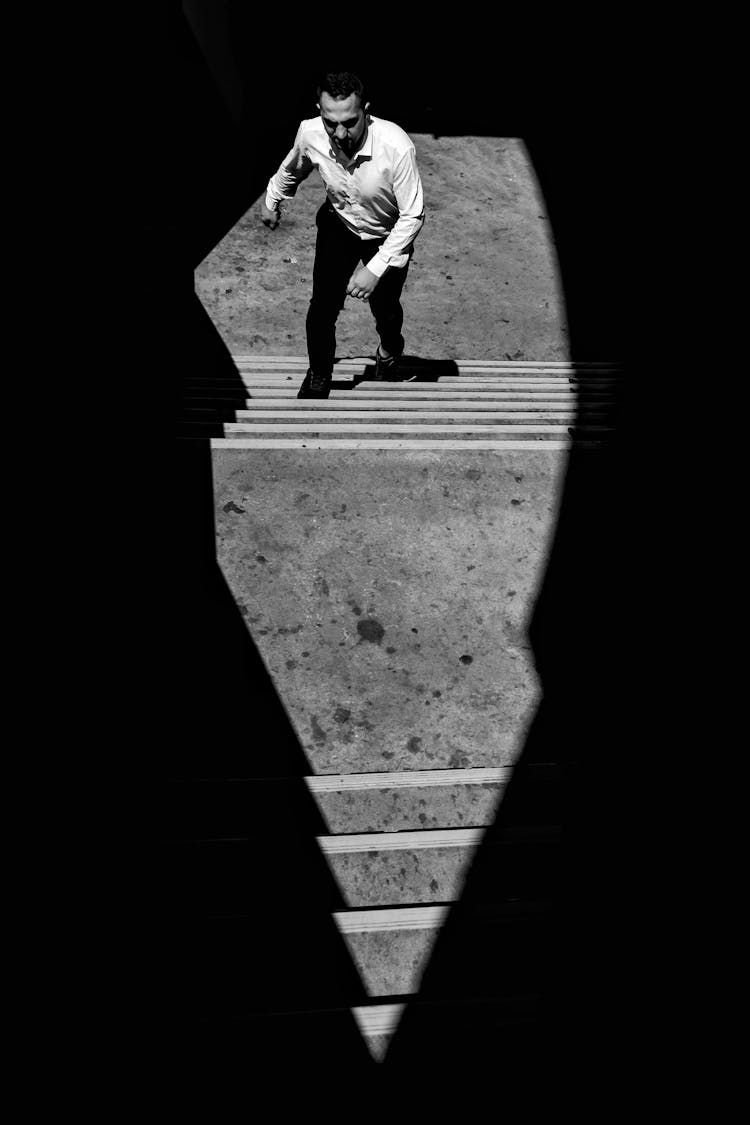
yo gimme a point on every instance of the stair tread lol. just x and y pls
(469, 775)
(382, 841)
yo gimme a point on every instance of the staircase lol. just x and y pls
(384, 547)
(437, 404)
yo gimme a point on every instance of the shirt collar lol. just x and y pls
(364, 152)
(366, 149)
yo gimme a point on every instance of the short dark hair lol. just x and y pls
(340, 84)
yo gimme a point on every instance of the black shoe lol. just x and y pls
(315, 386)
(385, 369)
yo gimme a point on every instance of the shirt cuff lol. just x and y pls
(271, 204)
(377, 264)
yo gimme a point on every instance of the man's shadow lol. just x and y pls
(413, 369)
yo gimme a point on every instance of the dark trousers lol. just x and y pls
(337, 254)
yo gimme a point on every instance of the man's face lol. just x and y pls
(345, 121)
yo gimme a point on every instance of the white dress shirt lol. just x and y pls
(376, 194)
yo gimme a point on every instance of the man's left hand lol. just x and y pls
(361, 283)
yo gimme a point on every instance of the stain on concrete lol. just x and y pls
(232, 507)
(291, 664)
(514, 634)
(321, 587)
(261, 558)
(306, 652)
(466, 659)
(319, 735)
(342, 715)
(365, 723)
(414, 630)
(437, 693)
(516, 503)
(370, 629)
(356, 610)
(414, 744)
(434, 885)
(301, 497)
(472, 474)
(243, 609)
(284, 631)
(388, 754)
(391, 649)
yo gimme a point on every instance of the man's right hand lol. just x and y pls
(269, 218)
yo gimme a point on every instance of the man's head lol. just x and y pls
(342, 105)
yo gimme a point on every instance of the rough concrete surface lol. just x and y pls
(388, 593)
(410, 809)
(391, 962)
(482, 284)
(401, 877)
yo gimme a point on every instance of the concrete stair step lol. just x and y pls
(212, 426)
(416, 428)
(306, 414)
(409, 800)
(443, 387)
(404, 868)
(427, 443)
(390, 946)
(356, 377)
(428, 392)
(300, 436)
(256, 362)
(533, 408)
(422, 390)
(391, 869)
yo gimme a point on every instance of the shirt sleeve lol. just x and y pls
(295, 167)
(407, 188)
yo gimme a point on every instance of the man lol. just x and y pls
(366, 228)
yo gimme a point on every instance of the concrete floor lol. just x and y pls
(388, 592)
